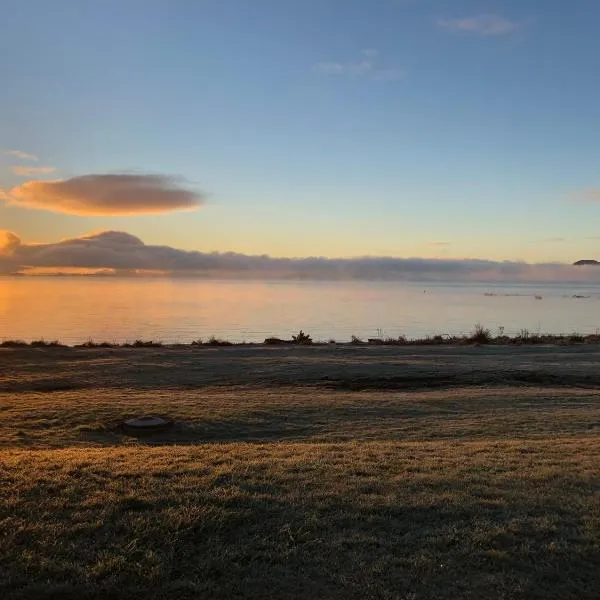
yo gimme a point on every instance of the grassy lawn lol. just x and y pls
(353, 520)
(300, 492)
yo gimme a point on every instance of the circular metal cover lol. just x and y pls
(149, 423)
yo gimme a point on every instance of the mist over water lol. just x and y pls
(75, 309)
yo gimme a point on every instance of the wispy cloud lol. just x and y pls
(440, 243)
(106, 194)
(366, 66)
(484, 25)
(554, 240)
(334, 68)
(21, 155)
(590, 195)
(27, 171)
(390, 74)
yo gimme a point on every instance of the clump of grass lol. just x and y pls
(433, 340)
(274, 341)
(301, 338)
(144, 344)
(92, 344)
(14, 344)
(214, 341)
(44, 344)
(526, 337)
(480, 335)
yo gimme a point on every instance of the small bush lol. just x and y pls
(480, 335)
(576, 338)
(197, 342)
(356, 340)
(301, 338)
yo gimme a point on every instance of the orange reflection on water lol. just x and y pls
(119, 309)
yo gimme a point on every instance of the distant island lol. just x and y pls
(587, 261)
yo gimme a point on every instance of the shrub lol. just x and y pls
(301, 338)
(356, 340)
(480, 335)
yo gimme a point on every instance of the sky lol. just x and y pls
(296, 128)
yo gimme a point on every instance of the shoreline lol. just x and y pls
(479, 336)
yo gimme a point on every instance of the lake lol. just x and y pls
(75, 309)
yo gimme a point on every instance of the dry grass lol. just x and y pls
(334, 367)
(356, 520)
(266, 490)
(215, 414)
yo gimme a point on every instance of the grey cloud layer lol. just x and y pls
(122, 251)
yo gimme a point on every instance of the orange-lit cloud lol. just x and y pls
(8, 241)
(126, 253)
(106, 194)
(27, 171)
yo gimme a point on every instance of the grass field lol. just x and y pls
(301, 473)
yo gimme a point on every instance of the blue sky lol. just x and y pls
(315, 127)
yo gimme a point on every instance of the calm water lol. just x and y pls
(75, 309)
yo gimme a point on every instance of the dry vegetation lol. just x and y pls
(385, 473)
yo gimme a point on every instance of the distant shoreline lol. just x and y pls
(479, 336)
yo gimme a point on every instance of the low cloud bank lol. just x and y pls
(122, 252)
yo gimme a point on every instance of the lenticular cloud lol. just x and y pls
(107, 194)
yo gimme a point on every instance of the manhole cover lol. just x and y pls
(149, 423)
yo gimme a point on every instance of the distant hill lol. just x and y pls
(586, 262)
